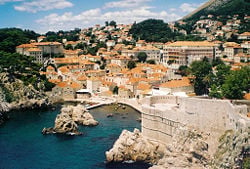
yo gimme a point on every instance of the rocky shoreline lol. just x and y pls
(68, 120)
(31, 104)
(188, 149)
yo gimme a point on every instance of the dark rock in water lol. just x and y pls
(3, 117)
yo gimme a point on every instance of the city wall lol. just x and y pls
(162, 115)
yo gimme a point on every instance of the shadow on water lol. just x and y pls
(123, 165)
(23, 146)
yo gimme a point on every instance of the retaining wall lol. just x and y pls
(162, 115)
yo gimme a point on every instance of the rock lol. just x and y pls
(80, 115)
(233, 145)
(187, 150)
(66, 122)
(133, 146)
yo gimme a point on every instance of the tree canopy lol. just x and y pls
(12, 37)
(201, 71)
(142, 57)
(152, 30)
(131, 64)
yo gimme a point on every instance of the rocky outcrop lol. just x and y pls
(20, 96)
(188, 149)
(30, 104)
(66, 122)
(80, 115)
(133, 146)
(232, 148)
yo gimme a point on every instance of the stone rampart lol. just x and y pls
(162, 115)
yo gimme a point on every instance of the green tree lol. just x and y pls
(217, 61)
(152, 30)
(115, 90)
(142, 57)
(215, 91)
(151, 61)
(183, 70)
(69, 47)
(112, 23)
(131, 64)
(219, 76)
(201, 70)
(237, 83)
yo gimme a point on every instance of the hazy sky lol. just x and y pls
(54, 15)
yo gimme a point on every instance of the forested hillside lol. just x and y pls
(12, 37)
(152, 30)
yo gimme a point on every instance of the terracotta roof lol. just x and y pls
(247, 96)
(72, 42)
(245, 34)
(55, 81)
(50, 68)
(64, 69)
(143, 86)
(191, 43)
(113, 65)
(82, 78)
(45, 43)
(176, 83)
(62, 84)
(26, 46)
(34, 50)
(75, 85)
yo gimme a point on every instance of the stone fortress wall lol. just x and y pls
(162, 115)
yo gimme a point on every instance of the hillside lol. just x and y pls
(19, 75)
(152, 30)
(12, 37)
(221, 8)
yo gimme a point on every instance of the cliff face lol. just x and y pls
(233, 149)
(15, 95)
(14, 90)
(189, 149)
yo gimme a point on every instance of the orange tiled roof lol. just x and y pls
(82, 78)
(143, 86)
(55, 81)
(75, 85)
(50, 68)
(64, 69)
(177, 83)
(62, 84)
(26, 46)
(247, 96)
(45, 43)
(191, 43)
(245, 34)
(34, 50)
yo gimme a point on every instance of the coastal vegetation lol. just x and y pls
(16, 66)
(218, 81)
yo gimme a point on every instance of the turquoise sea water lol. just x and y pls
(22, 146)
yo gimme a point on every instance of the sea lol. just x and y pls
(22, 146)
